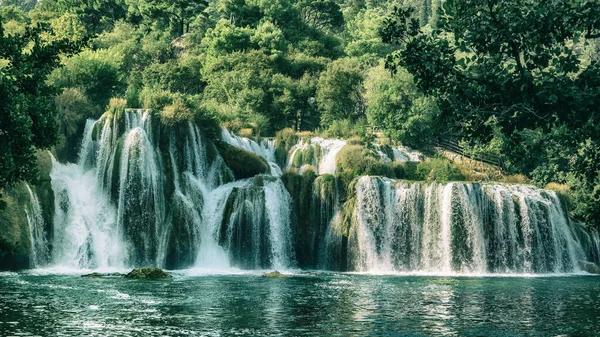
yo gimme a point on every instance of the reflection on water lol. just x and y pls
(305, 304)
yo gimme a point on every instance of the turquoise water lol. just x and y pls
(304, 304)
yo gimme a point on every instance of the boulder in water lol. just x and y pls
(148, 273)
(274, 274)
(98, 275)
(589, 267)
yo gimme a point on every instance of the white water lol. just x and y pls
(39, 252)
(408, 227)
(328, 149)
(277, 204)
(85, 222)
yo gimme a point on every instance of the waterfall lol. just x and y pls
(319, 152)
(85, 222)
(461, 228)
(143, 193)
(277, 204)
(40, 252)
(253, 221)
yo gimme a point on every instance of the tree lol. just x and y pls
(339, 91)
(394, 104)
(321, 14)
(179, 12)
(510, 71)
(96, 73)
(27, 113)
(97, 15)
(25, 5)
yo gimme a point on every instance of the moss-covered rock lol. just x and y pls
(148, 273)
(101, 275)
(589, 267)
(284, 141)
(274, 274)
(15, 244)
(242, 163)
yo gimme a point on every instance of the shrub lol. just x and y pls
(284, 141)
(155, 99)
(516, 179)
(432, 169)
(176, 113)
(95, 72)
(356, 160)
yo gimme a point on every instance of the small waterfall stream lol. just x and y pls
(40, 251)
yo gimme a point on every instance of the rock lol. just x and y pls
(98, 275)
(274, 274)
(242, 163)
(589, 267)
(148, 273)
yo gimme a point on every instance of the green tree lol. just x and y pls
(96, 73)
(321, 14)
(97, 15)
(27, 113)
(394, 104)
(25, 5)
(339, 91)
(179, 12)
(510, 71)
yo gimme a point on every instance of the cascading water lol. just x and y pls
(461, 228)
(316, 151)
(143, 193)
(398, 154)
(39, 243)
(134, 199)
(253, 221)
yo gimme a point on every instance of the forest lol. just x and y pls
(514, 81)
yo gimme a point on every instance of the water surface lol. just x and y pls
(304, 304)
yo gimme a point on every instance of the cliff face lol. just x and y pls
(27, 211)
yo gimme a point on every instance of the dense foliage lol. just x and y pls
(26, 104)
(516, 81)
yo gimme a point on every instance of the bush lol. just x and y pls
(433, 169)
(347, 128)
(116, 107)
(155, 99)
(176, 113)
(356, 160)
(515, 179)
(96, 73)
(284, 141)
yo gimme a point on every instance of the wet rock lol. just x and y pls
(148, 273)
(98, 275)
(274, 274)
(589, 267)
